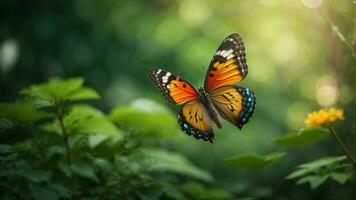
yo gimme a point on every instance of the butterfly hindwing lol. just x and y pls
(193, 120)
(175, 89)
(228, 65)
(234, 103)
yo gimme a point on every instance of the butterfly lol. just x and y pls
(218, 98)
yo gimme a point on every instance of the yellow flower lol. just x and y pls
(324, 117)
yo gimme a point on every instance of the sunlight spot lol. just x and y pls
(285, 48)
(312, 3)
(9, 53)
(296, 114)
(194, 12)
(326, 91)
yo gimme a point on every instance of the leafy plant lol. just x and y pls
(72, 150)
(317, 172)
(254, 160)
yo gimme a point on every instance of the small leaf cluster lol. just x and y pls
(318, 171)
(68, 149)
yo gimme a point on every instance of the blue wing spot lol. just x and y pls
(248, 106)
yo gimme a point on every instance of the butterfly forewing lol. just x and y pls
(228, 65)
(175, 89)
(194, 120)
(234, 103)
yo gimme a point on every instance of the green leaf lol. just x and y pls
(95, 140)
(85, 171)
(146, 117)
(162, 161)
(254, 160)
(303, 137)
(323, 162)
(6, 124)
(315, 166)
(197, 191)
(314, 180)
(58, 90)
(84, 94)
(21, 113)
(341, 178)
(84, 119)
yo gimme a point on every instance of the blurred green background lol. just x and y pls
(297, 63)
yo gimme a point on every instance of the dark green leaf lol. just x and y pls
(303, 137)
(253, 160)
(197, 191)
(85, 171)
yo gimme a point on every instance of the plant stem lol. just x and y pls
(64, 133)
(343, 146)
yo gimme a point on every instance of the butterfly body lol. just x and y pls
(205, 99)
(218, 98)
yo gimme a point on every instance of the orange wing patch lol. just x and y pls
(180, 91)
(228, 65)
(175, 89)
(234, 103)
(194, 120)
(222, 74)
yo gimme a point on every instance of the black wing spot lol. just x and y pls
(211, 74)
(184, 85)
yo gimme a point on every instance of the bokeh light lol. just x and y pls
(9, 52)
(326, 91)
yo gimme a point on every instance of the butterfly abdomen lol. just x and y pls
(212, 112)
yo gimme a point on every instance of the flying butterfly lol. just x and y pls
(218, 98)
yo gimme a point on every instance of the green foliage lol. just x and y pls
(75, 151)
(155, 120)
(22, 112)
(58, 91)
(254, 160)
(303, 137)
(317, 172)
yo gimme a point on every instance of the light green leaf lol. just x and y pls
(162, 161)
(314, 166)
(85, 171)
(95, 140)
(84, 94)
(303, 137)
(323, 162)
(21, 113)
(341, 178)
(314, 180)
(84, 119)
(146, 117)
(254, 160)
(58, 90)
